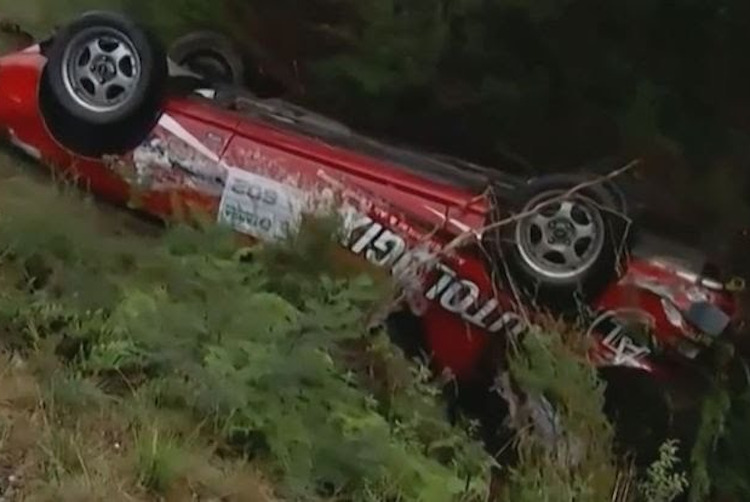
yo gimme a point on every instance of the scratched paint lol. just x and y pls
(263, 196)
(164, 163)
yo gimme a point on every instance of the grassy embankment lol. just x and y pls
(144, 366)
(137, 364)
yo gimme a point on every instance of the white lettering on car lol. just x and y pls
(460, 296)
(622, 350)
(367, 238)
(386, 249)
(446, 278)
(383, 247)
(479, 318)
(259, 206)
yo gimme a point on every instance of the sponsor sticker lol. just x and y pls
(269, 209)
(259, 206)
(614, 329)
(383, 247)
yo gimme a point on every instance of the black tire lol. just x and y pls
(91, 140)
(211, 55)
(601, 267)
(601, 168)
(91, 132)
(640, 411)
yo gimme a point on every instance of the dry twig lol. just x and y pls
(462, 238)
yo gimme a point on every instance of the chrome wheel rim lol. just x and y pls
(563, 239)
(101, 69)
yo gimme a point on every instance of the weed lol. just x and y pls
(663, 482)
(159, 458)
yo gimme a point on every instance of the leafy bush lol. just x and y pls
(565, 442)
(663, 483)
(261, 360)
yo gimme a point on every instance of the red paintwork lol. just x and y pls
(413, 207)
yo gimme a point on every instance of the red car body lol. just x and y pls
(203, 155)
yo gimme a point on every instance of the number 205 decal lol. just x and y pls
(255, 192)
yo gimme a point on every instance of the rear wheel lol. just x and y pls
(221, 61)
(103, 84)
(211, 55)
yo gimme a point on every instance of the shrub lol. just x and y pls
(255, 352)
(565, 442)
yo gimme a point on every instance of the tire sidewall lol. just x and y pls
(152, 61)
(561, 294)
(210, 42)
(104, 134)
(88, 140)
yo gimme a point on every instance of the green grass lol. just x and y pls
(63, 435)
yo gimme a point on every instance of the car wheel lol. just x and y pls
(600, 168)
(568, 248)
(211, 55)
(103, 85)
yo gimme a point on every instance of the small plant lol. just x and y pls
(663, 482)
(160, 459)
(563, 438)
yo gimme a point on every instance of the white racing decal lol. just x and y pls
(610, 328)
(259, 206)
(382, 247)
(268, 209)
(463, 227)
(625, 352)
(165, 163)
(170, 124)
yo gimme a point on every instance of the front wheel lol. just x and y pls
(570, 243)
(103, 85)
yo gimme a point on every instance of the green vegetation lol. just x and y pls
(155, 366)
(179, 367)
(573, 459)
(167, 367)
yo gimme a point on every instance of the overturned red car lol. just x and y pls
(99, 99)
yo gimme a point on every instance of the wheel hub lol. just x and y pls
(561, 240)
(101, 69)
(104, 68)
(562, 231)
